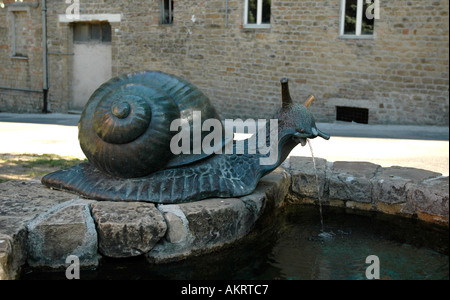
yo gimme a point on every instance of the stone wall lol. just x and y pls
(401, 75)
(21, 72)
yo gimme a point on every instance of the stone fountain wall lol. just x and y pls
(403, 191)
(42, 227)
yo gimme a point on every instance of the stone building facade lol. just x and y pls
(387, 60)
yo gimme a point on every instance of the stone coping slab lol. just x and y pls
(42, 227)
(402, 191)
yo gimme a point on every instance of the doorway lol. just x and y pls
(92, 63)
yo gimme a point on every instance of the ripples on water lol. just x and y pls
(303, 251)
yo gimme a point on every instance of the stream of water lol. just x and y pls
(319, 197)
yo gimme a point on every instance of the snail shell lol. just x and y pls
(124, 129)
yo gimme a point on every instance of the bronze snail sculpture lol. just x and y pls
(124, 131)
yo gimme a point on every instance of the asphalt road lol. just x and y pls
(424, 147)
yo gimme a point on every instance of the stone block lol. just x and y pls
(216, 221)
(257, 201)
(202, 226)
(390, 184)
(176, 231)
(65, 229)
(20, 202)
(303, 177)
(28, 199)
(12, 249)
(177, 225)
(429, 197)
(127, 229)
(5, 258)
(276, 186)
(352, 181)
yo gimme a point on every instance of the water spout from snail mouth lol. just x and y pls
(301, 138)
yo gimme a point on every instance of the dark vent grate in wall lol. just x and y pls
(352, 114)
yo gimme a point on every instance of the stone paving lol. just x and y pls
(42, 227)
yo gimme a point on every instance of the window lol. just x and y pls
(257, 13)
(166, 11)
(88, 32)
(354, 19)
(352, 114)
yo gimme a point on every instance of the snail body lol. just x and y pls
(124, 132)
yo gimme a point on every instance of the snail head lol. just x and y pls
(296, 120)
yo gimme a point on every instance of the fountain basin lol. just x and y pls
(40, 228)
(294, 247)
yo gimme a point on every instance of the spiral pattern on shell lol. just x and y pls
(124, 129)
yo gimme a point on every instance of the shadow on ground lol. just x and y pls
(27, 166)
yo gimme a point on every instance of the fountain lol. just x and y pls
(116, 223)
